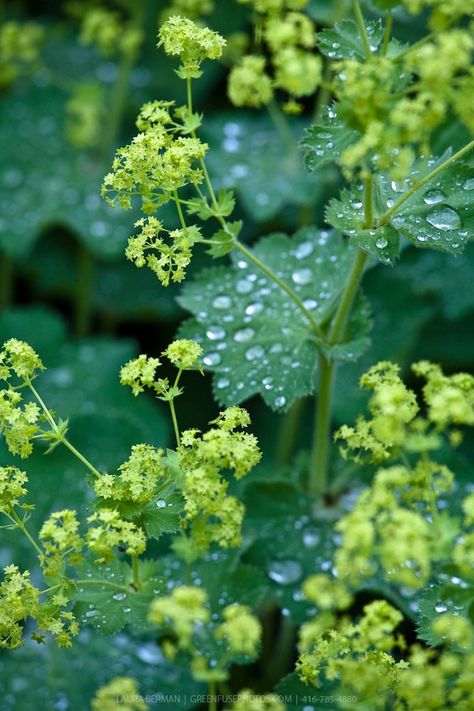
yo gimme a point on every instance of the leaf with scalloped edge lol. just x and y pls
(255, 339)
(455, 597)
(109, 609)
(324, 142)
(344, 41)
(438, 215)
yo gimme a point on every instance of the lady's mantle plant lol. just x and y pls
(277, 320)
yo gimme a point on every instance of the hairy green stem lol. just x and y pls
(55, 429)
(319, 463)
(6, 280)
(362, 28)
(283, 285)
(212, 696)
(387, 33)
(282, 126)
(14, 516)
(420, 183)
(179, 208)
(136, 571)
(369, 201)
(348, 297)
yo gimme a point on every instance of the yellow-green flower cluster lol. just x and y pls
(120, 694)
(19, 49)
(19, 358)
(18, 424)
(326, 593)
(450, 399)
(139, 373)
(61, 623)
(109, 32)
(463, 553)
(355, 654)
(392, 407)
(183, 610)
(167, 261)
(248, 700)
(454, 630)
(183, 353)
(214, 516)
(85, 112)
(395, 103)
(12, 488)
(443, 12)
(158, 161)
(290, 39)
(241, 630)
(61, 541)
(19, 599)
(380, 529)
(182, 37)
(109, 531)
(139, 479)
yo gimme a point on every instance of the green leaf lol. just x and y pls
(438, 215)
(45, 181)
(324, 142)
(163, 515)
(247, 155)
(46, 676)
(225, 239)
(347, 215)
(255, 339)
(109, 609)
(287, 541)
(455, 597)
(344, 41)
(43, 329)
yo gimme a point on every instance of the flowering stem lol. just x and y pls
(369, 201)
(283, 285)
(420, 183)
(136, 571)
(362, 28)
(212, 696)
(282, 126)
(173, 411)
(61, 438)
(14, 517)
(320, 454)
(387, 33)
(180, 211)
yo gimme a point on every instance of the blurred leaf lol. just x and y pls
(44, 676)
(288, 540)
(43, 329)
(45, 181)
(107, 609)
(246, 154)
(255, 338)
(455, 597)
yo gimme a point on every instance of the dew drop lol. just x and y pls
(119, 596)
(222, 383)
(161, 504)
(253, 309)
(254, 353)
(222, 302)
(243, 286)
(441, 607)
(244, 335)
(310, 304)
(302, 276)
(432, 197)
(304, 250)
(444, 218)
(311, 537)
(280, 401)
(211, 359)
(285, 572)
(215, 333)
(381, 242)
(468, 184)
